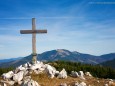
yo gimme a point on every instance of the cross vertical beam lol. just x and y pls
(34, 59)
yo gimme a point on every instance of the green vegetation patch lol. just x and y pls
(95, 70)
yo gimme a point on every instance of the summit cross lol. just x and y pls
(33, 32)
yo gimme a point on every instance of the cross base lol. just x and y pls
(34, 59)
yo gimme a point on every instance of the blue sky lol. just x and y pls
(86, 26)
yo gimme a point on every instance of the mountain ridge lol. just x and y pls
(63, 54)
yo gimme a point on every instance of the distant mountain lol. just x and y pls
(62, 54)
(107, 57)
(17, 62)
(110, 63)
(8, 60)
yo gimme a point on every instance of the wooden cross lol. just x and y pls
(33, 32)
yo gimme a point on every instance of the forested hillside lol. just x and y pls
(97, 71)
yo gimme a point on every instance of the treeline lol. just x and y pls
(5, 70)
(95, 70)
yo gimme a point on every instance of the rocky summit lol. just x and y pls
(41, 74)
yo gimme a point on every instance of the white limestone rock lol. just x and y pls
(56, 73)
(111, 80)
(34, 67)
(7, 75)
(62, 74)
(26, 72)
(39, 66)
(18, 77)
(27, 65)
(74, 74)
(51, 71)
(81, 75)
(11, 83)
(21, 68)
(88, 74)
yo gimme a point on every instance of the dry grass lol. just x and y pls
(44, 80)
(1, 78)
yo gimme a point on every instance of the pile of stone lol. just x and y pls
(20, 74)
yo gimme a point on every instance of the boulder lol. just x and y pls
(7, 75)
(11, 83)
(21, 68)
(62, 74)
(51, 71)
(26, 65)
(56, 73)
(18, 77)
(74, 74)
(26, 72)
(39, 66)
(88, 74)
(34, 67)
(111, 80)
(81, 75)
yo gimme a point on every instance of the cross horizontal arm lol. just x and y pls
(32, 31)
